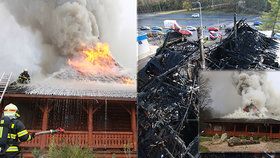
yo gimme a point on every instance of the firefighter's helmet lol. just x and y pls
(11, 110)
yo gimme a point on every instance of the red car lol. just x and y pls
(185, 32)
(213, 29)
(215, 35)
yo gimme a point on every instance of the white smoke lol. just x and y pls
(256, 90)
(233, 91)
(49, 32)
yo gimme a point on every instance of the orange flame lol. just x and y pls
(97, 60)
(127, 80)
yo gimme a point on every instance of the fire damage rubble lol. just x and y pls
(250, 50)
(167, 100)
(168, 88)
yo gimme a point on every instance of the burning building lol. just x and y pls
(94, 103)
(80, 87)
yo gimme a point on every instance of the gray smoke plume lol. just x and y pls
(63, 26)
(233, 91)
(49, 32)
(255, 89)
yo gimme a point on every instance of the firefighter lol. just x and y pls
(24, 77)
(12, 132)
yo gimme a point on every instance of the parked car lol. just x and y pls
(215, 35)
(257, 23)
(195, 15)
(276, 36)
(185, 32)
(157, 28)
(191, 28)
(145, 28)
(213, 29)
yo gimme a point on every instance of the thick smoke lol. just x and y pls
(233, 91)
(225, 98)
(54, 30)
(256, 90)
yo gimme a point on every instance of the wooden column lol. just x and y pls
(134, 126)
(45, 112)
(270, 130)
(90, 124)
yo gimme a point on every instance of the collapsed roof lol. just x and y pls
(251, 50)
(167, 98)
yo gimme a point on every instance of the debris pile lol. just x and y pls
(167, 100)
(250, 50)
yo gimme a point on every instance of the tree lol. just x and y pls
(187, 5)
(272, 17)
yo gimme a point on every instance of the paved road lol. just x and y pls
(184, 19)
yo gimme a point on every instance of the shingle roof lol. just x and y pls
(68, 82)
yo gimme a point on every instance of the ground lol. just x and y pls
(263, 146)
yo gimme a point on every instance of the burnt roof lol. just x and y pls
(243, 120)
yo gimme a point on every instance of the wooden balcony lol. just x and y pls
(101, 140)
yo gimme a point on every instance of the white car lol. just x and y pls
(191, 28)
(276, 36)
(195, 15)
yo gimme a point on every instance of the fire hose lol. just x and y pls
(51, 131)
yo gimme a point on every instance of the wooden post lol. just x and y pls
(90, 124)
(45, 111)
(134, 127)
(201, 49)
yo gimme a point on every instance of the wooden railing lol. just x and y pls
(101, 140)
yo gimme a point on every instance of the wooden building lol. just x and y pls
(269, 128)
(102, 121)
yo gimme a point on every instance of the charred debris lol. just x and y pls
(168, 87)
(167, 100)
(248, 50)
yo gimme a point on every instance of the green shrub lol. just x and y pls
(203, 149)
(36, 152)
(69, 151)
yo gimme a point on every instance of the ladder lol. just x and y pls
(4, 83)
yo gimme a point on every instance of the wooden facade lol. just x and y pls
(244, 127)
(100, 123)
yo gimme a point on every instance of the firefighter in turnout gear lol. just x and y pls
(12, 132)
(24, 77)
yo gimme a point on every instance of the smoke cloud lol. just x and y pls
(233, 91)
(40, 35)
